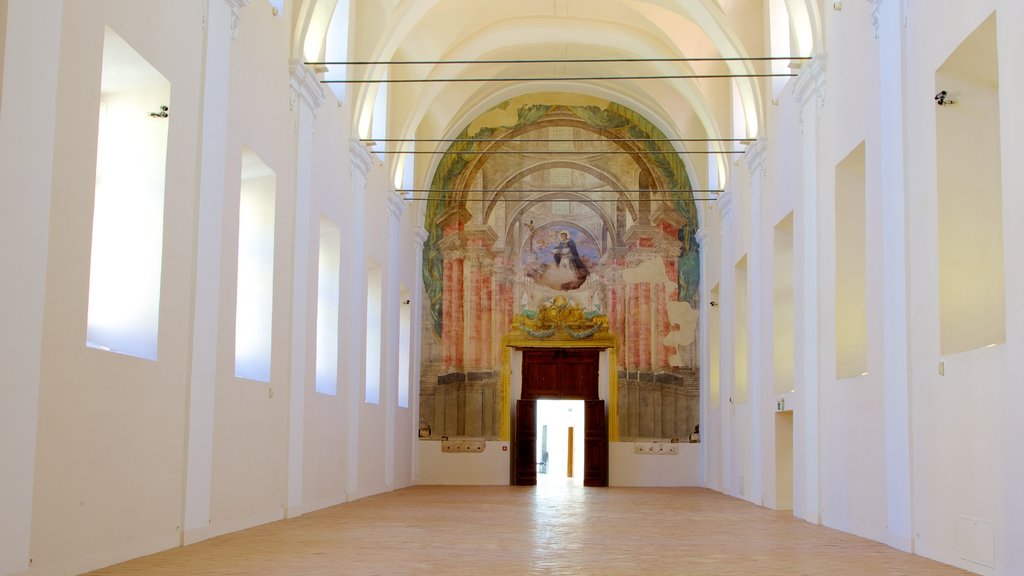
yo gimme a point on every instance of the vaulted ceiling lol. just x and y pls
(729, 31)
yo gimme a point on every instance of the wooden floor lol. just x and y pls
(543, 530)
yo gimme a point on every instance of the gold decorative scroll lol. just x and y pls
(560, 318)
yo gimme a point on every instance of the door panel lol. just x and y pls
(558, 373)
(595, 444)
(524, 463)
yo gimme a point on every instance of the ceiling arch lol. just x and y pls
(395, 30)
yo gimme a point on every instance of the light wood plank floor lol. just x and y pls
(543, 530)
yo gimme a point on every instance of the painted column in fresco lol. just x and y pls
(453, 250)
(479, 280)
(668, 221)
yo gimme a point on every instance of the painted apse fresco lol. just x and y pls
(556, 199)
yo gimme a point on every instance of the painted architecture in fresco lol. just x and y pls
(567, 197)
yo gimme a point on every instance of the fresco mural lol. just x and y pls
(560, 196)
(553, 258)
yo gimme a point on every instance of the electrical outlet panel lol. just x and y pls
(470, 445)
(656, 448)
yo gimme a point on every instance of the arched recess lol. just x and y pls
(598, 174)
(478, 272)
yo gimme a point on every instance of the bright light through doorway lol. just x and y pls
(560, 441)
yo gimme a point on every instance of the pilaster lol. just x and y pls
(28, 120)
(306, 96)
(222, 20)
(895, 313)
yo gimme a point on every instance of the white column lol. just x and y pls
(306, 97)
(27, 123)
(415, 355)
(756, 158)
(705, 351)
(726, 344)
(354, 314)
(390, 313)
(810, 93)
(895, 368)
(221, 24)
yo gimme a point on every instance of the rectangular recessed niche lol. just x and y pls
(714, 349)
(782, 311)
(254, 305)
(851, 266)
(971, 278)
(740, 339)
(374, 319)
(327, 308)
(127, 227)
(404, 346)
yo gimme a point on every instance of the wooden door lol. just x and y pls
(595, 444)
(524, 463)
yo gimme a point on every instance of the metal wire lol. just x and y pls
(555, 61)
(552, 78)
(572, 152)
(563, 140)
(553, 190)
(597, 200)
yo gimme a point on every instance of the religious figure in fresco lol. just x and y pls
(568, 264)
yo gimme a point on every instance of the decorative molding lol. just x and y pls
(421, 237)
(235, 6)
(482, 235)
(876, 18)
(724, 207)
(305, 85)
(810, 83)
(756, 158)
(360, 158)
(874, 15)
(453, 246)
(701, 236)
(396, 207)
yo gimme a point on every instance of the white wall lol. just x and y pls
(136, 456)
(904, 454)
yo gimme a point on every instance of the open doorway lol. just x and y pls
(560, 441)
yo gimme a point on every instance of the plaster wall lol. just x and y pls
(903, 454)
(625, 467)
(115, 461)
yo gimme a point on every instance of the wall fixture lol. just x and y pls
(837, 5)
(943, 99)
(713, 303)
(161, 114)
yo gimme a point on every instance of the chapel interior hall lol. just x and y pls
(393, 286)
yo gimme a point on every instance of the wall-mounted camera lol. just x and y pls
(943, 99)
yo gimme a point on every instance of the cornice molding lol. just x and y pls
(756, 157)
(305, 85)
(235, 6)
(421, 237)
(724, 206)
(360, 158)
(396, 207)
(876, 13)
(810, 83)
(701, 236)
